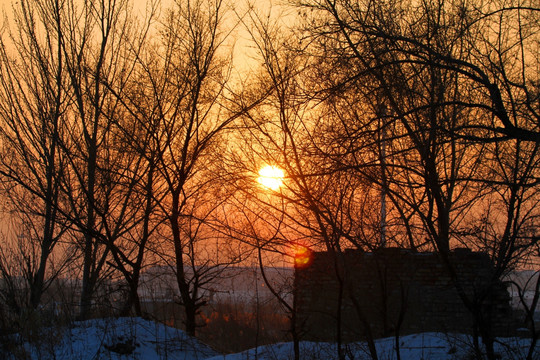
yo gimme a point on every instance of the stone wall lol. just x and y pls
(396, 290)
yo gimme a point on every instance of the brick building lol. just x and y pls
(395, 289)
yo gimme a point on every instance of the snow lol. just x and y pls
(412, 347)
(136, 338)
(122, 338)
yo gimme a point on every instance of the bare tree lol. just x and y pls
(187, 87)
(33, 106)
(316, 205)
(447, 108)
(99, 40)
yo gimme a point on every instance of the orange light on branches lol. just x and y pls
(271, 177)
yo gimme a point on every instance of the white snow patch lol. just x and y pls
(122, 338)
(136, 338)
(412, 347)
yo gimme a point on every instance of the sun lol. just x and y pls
(271, 177)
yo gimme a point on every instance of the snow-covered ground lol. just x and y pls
(122, 338)
(135, 338)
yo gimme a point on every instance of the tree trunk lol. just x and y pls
(87, 286)
(187, 302)
(37, 284)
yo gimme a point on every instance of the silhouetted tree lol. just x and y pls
(187, 84)
(33, 106)
(448, 112)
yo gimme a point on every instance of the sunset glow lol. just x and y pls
(302, 256)
(271, 177)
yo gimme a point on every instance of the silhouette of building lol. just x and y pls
(393, 290)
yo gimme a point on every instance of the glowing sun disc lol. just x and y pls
(271, 177)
